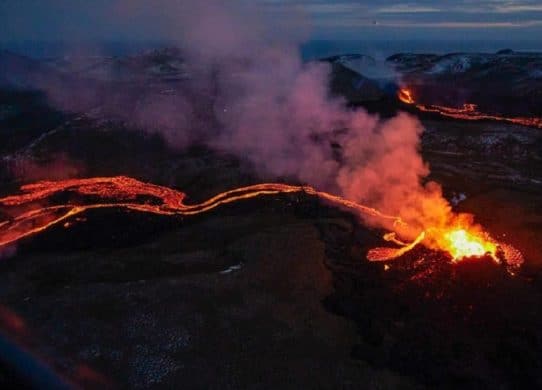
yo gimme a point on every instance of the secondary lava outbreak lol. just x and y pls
(468, 111)
(37, 208)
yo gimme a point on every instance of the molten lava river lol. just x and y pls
(468, 111)
(37, 208)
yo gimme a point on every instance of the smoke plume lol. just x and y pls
(250, 94)
(276, 111)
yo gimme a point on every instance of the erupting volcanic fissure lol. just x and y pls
(468, 111)
(28, 215)
(405, 96)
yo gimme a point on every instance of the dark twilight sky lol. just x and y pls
(50, 20)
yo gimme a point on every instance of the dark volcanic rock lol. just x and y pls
(361, 79)
(354, 87)
(237, 294)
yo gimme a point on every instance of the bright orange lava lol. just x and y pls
(462, 243)
(405, 96)
(468, 111)
(39, 207)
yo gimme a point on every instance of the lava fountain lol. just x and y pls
(462, 243)
(27, 214)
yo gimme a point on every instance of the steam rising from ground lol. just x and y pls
(276, 111)
(250, 94)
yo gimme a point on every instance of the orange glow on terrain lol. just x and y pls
(36, 209)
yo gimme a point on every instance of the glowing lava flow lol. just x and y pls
(385, 253)
(28, 215)
(405, 96)
(467, 112)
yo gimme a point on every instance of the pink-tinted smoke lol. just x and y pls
(276, 111)
(249, 93)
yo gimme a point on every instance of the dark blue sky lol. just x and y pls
(336, 19)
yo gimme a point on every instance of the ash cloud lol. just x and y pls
(250, 94)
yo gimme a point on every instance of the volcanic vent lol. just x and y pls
(28, 216)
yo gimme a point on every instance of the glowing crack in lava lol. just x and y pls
(42, 205)
(468, 111)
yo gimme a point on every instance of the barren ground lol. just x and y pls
(275, 292)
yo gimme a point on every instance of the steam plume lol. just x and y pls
(251, 95)
(276, 111)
